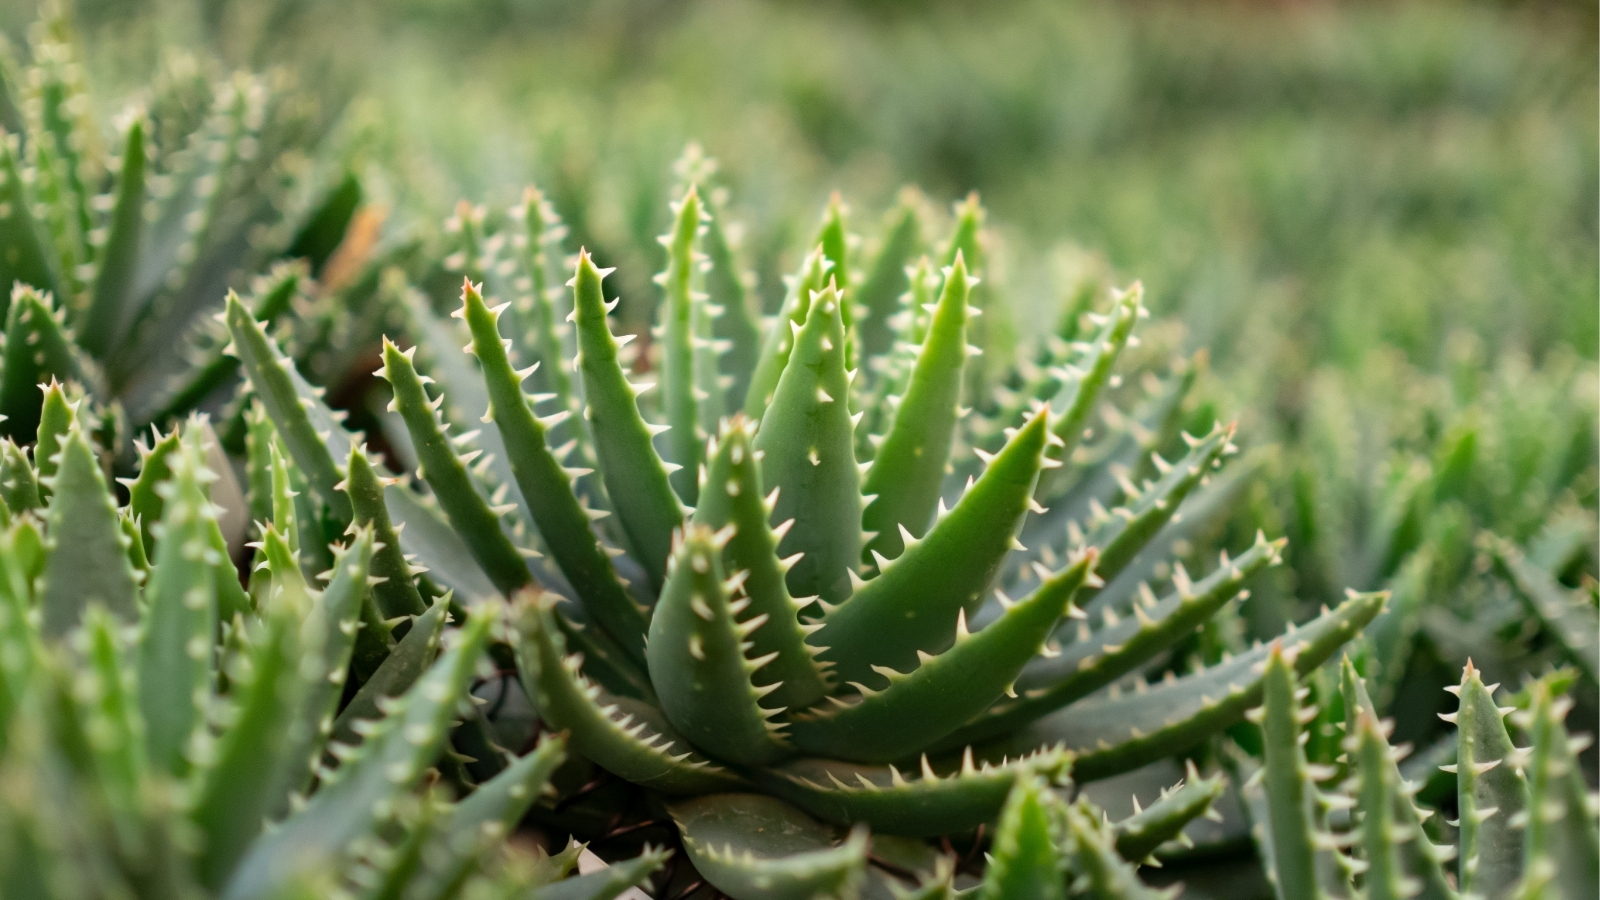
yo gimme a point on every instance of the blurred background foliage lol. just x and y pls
(1379, 219)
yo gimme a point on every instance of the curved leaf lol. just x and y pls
(753, 847)
(626, 737)
(635, 477)
(926, 806)
(732, 498)
(914, 602)
(943, 691)
(909, 465)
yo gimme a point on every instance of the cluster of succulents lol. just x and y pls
(856, 600)
(1527, 825)
(117, 243)
(783, 592)
(156, 715)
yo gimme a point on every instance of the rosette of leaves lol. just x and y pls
(815, 572)
(1525, 821)
(166, 734)
(118, 240)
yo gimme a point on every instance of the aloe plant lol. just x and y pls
(1527, 820)
(755, 608)
(120, 239)
(164, 734)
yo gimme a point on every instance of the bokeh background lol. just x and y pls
(1379, 220)
(1388, 190)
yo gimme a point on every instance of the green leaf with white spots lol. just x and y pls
(1028, 860)
(37, 350)
(779, 343)
(85, 559)
(685, 438)
(1491, 794)
(175, 649)
(699, 662)
(806, 442)
(732, 498)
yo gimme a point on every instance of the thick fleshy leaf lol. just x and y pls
(235, 789)
(914, 602)
(1122, 730)
(86, 559)
(635, 477)
(1304, 864)
(1027, 860)
(547, 487)
(1138, 836)
(111, 715)
(732, 498)
(923, 705)
(1097, 658)
(1491, 794)
(57, 415)
(19, 483)
(461, 498)
(754, 847)
(37, 350)
(327, 640)
(1559, 835)
(175, 649)
(909, 465)
(319, 445)
(608, 883)
(727, 289)
(698, 658)
(396, 594)
(685, 440)
(925, 805)
(1122, 533)
(779, 343)
(395, 675)
(1077, 392)
(629, 738)
(879, 293)
(483, 819)
(1377, 794)
(1420, 860)
(548, 340)
(23, 253)
(806, 442)
(145, 498)
(1102, 871)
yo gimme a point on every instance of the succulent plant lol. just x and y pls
(154, 717)
(1526, 818)
(113, 258)
(775, 621)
